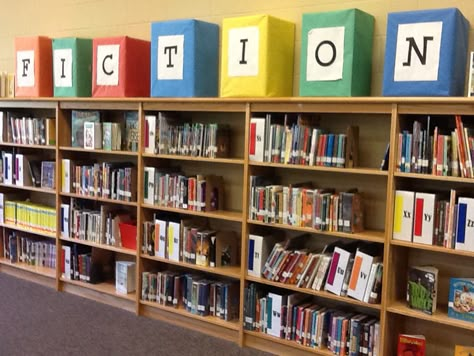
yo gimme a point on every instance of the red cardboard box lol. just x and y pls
(34, 66)
(121, 67)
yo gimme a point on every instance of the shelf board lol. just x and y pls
(322, 294)
(233, 325)
(29, 103)
(364, 171)
(21, 145)
(105, 287)
(238, 161)
(126, 251)
(435, 178)
(439, 317)
(290, 343)
(217, 214)
(128, 104)
(104, 200)
(29, 188)
(231, 272)
(79, 149)
(432, 248)
(43, 271)
(34, 232)
(367, 235)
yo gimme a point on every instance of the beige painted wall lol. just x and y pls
(99, 18)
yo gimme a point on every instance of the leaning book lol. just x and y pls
(461, 299)
(422, 288)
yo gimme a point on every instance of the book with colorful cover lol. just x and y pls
(131, 131)
(411, 345)
(460, 350)
(422, 288)
(78, 118)
(461, 299)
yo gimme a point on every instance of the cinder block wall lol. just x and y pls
(100, 18)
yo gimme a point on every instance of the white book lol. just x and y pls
(8, 168)
(65, 230)
(259, 249)
(360, 274)
(403, 215)
(274, 318)
(19, 170)
(257, 139)
(423, 220)
(150, 133)
(337, 270)
(92, 135)
(465, 225)
(125, 277)
(149, 190)
(67, 262)
(66, 175)
(173, 240)
(160, 238)
(370, 283)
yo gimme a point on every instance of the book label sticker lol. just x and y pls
(418, 51)
(325, 55)
(108, 64)
(25, 68)
(62, 67)
(243, 55)
(170, 57)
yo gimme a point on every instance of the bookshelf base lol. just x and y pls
(28, 275)
(185, 321)
(90, 291)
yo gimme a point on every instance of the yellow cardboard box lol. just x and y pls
(257, 57)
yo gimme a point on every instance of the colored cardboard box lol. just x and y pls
(336, 53)
(184, 59)
(257, 57)
(426, 53)
(72, 67)
(33, 66)
(121, 67)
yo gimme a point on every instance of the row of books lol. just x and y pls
(292, 316)
(449, 154)
(422, 293)
(20, 248)
(87, 131)
(298, 141)
(18, 129)
(301, 205)
(110, 180)
(27, 170)
(194, 293)
(79, 263)
(28, 215)
(79, 221)
(166, 136)
(190, 241)
(434, 219)
(352, 269)
(175, 190)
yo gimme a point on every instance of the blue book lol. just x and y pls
(329, 149)
(461, 299)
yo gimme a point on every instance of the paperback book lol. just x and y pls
(461, 299)
(411, 345)
(422, 288)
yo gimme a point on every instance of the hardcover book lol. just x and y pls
(422, 288)
(78, 118)
(411, 345)
(131, 131)
(461, 299)
(92, 135)
(48, 169)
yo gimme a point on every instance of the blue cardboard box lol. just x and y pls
(426, 53)
(184, 59)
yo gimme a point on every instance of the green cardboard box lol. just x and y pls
(336, 53)
(72, 67)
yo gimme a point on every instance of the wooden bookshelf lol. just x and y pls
(439, 317)
(28, 188)
(217, 214)
(318, 293)
(230, 272)
(380, 120)
(42, 271)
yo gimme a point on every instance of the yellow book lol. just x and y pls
(463, 350)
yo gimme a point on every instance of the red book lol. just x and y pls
(411, 345)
